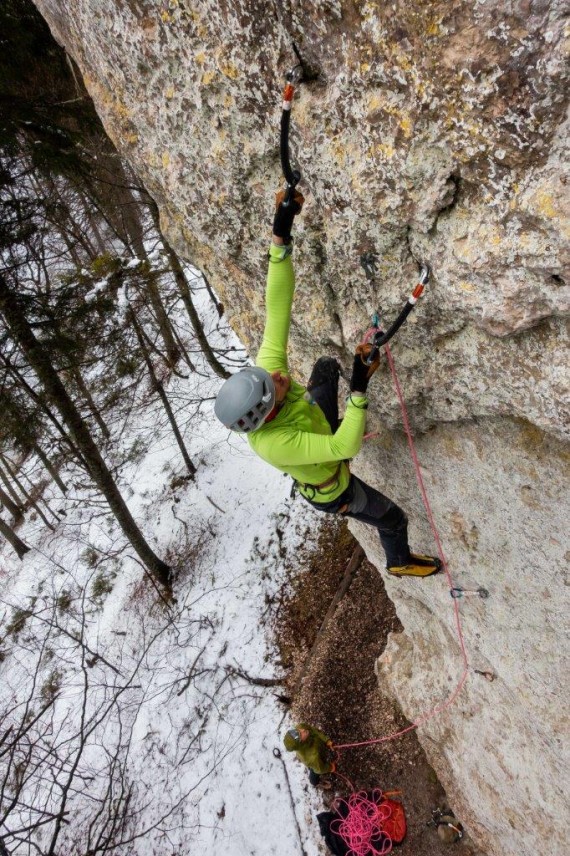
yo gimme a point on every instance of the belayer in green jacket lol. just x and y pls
(297, 429)
(313, 749)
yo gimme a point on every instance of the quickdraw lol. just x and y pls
(458, 592)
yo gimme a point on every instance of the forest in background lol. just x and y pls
(87, 284)
(98, 319)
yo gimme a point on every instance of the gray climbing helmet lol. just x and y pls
(245, 399)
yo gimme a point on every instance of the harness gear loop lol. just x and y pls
(331, 482)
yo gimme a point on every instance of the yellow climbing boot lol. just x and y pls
(418, 566)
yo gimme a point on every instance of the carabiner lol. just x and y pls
(458, 592)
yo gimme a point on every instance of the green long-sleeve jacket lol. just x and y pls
(314, 752)
(299, 441)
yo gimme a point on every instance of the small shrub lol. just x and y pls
(137, 451)
(18, 621)
(90, 557)
(52, 686)
(126, 367)
(102, 585)
(64, 602)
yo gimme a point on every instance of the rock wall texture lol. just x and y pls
(432, 131)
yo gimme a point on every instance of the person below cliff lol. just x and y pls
(297, 429)
(313, 749)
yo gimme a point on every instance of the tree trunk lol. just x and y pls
(132, 227)
(40, 362)
(163, 320)
(158, 386)
(219, 306)
(8, 485)
(16, 511)
(94, 410)
(50, 468)
(10, 536)
(185, 294)
(29, 498)
(45, 409)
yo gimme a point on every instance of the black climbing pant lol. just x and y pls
(359, 500)
(323, 387)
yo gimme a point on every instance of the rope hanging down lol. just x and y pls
(380, 339)
(421, 720)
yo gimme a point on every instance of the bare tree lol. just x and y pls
(159, 388)
(39, 360)
(184, 290)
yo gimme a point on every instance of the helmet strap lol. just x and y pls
(272, 414)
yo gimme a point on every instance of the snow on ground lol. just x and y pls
(195, 739)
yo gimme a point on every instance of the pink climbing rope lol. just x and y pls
(419, 478)
(362, 828)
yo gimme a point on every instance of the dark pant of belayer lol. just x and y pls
(363, 502)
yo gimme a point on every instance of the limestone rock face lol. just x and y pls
(433, 131)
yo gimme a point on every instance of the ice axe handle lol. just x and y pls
(374, 351)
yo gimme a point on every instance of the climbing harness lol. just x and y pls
(458, 592)
(292, 176)
(381, 337)
(311, 490)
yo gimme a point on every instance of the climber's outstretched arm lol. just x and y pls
(280, 288)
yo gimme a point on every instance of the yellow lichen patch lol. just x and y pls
(169, 92)
(434, 28)
(364, 67)
(228, 101)
(200, 58)
(545, 203)
(402, 59)
(375, 103)
(132, 138)
(207, 77)
(229, 70)
(339, 151)
(452, 448)
(218, 150)
(384, 151)
(109, 100)
(466, 286)
(406, 126)
(165, 159)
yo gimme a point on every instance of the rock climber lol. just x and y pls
(297, 429)
(313, 749)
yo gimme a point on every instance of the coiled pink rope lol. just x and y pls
(419, 478)
(361, 829)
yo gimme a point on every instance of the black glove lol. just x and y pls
(361, 372)
(284, 215)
